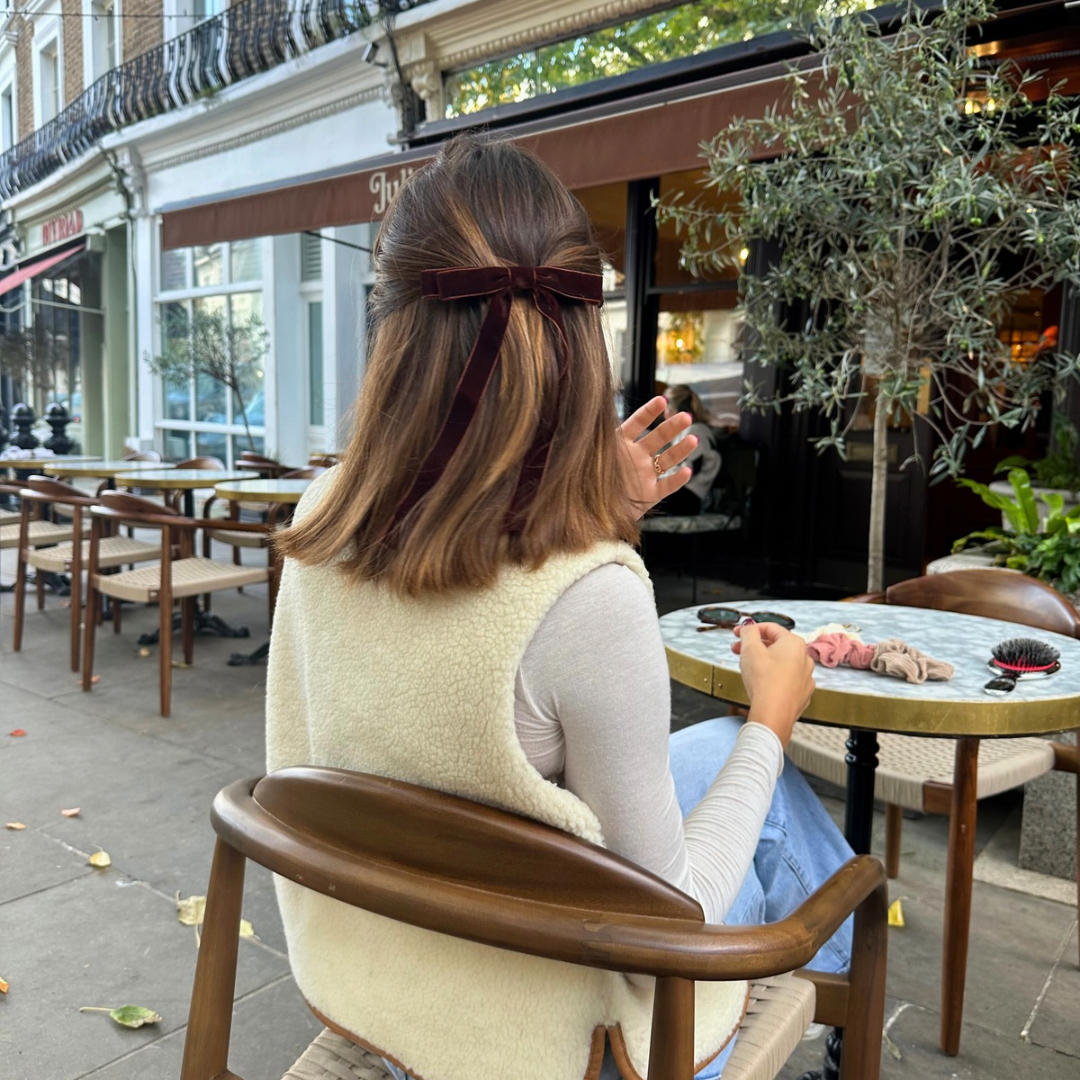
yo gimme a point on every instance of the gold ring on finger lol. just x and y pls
(657, 466)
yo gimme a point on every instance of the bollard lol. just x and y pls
(22, 419)
(57, 417)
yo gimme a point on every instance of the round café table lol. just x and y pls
(867, 703)
(27, 463)
(167, 478)
(107, 471)
(282, 494)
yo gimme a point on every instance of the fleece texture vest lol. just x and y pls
(422, 690)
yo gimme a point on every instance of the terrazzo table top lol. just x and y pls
(864, 699)
(107, 470)
(281, 490)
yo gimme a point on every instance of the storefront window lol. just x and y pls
(200, 416)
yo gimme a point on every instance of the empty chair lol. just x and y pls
(917, 773)
(68, 557)
(41, 532)
(142, 455)
(443, 863)
(260, 463)
(181, 578)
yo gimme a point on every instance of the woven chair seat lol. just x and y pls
(112, 551)
(189, 578)
(906, 763)
(236, 538)
(691, 523)
(40, 534)
(781, 1009)
(9, 517)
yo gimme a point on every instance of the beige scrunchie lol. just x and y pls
(902, 661)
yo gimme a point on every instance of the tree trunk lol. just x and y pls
(875, 568)
(239, 397)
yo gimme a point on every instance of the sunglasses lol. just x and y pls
(727, 618)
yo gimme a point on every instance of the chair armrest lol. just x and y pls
(866, 598)
(1066, 757)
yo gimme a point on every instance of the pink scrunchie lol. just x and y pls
(832, 650)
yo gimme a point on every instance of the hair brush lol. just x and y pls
(1020, 658)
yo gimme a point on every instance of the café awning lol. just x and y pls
(637, 138)
(31, 270)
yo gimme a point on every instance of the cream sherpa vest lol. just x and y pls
(423, 691)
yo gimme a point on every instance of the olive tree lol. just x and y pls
(916, 192)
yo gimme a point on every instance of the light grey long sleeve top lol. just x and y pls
(593, 708)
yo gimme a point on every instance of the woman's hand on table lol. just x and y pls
(777, 673)
(644, 485)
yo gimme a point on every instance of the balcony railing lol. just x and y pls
(250, 37)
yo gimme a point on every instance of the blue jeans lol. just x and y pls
(799, 849)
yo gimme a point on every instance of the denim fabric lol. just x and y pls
(799, 849)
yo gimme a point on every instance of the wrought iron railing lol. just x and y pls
(248, 38)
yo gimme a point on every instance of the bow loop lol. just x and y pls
(545, 284)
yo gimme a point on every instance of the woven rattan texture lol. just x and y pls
(189, 578)
(240, 539)
(41, 532)
(780, 1011)
(905, 764)
(112, 551)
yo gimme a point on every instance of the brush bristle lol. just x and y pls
(1025, 654)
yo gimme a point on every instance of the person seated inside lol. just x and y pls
(462, 607)
(703, 459)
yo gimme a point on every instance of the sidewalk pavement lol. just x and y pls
(72, 935)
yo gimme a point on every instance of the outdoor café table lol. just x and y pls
(283, 494)
(868, 703)
(100, 470)
(167, 479)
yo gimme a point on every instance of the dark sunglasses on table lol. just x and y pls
(727, 618)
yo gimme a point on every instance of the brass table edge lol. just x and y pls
(993, 718)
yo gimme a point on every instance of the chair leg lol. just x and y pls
(39, 582)
(187, 627)
(861, 1059)
(165, 642)
(894, 830)
(76, 617)
(671, 1053)
(961, 859)
(20, 603)
(93, 606)
(206, 1046)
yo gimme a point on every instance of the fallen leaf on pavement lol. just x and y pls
(100, 859)
(191, 911)
(144, 651)
(17, 732)
(14, 825)
(896, 913)
(72, 813)
(3, 987)
(246, 929)
(132, 1016)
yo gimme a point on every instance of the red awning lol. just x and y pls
(25, 273)
(647, 139)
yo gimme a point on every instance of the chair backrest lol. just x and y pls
(994, 594)
(46, 489)
(268, 466)
(327, 461)
(308, 473)
(201, 463)
(142, 455)
(118, 506)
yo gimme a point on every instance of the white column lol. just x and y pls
(144, 332)
(346, 273)
(286, 374)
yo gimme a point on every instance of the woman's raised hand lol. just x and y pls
(777, 673)
(644, 464)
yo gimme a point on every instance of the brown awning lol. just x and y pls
(649, 140)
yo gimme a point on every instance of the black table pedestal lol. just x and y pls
(862, 747)
(239, 659)
(206, 622)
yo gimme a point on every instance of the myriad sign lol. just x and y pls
(63, 227)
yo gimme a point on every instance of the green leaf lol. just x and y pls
(1025, 499)
(134, 1016)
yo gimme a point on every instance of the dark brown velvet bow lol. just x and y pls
(545, 284)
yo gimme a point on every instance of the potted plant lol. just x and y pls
(1058, 472)
(1043, 542)
(912, 192)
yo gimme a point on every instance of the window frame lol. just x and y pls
(48, 37)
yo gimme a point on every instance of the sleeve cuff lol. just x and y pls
(768, 742)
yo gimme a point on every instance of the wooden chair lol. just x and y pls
(259, 463)
(239, 540)
(172, 579)
(142, 455)
(919, 773)
(67, 557)
(450, 865)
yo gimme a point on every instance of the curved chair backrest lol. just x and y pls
(142, 455)
(201, 463)
(120, 506)
(268, 466)
(308, 473)
(46, 489)
(994, 594)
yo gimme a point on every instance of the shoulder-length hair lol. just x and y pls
(480, 203)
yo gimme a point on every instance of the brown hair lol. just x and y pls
(480, 203)
(682, 398)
